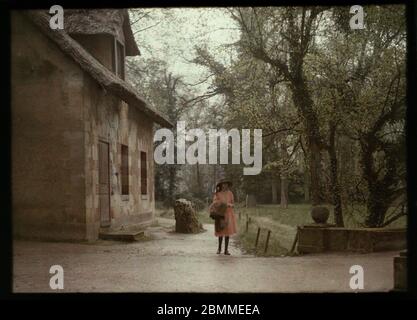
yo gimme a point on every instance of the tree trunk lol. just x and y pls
(376, 211)
(199, 189)
(306, 186)
(171, 184)
(302, 100)
(376, 203)
(284, 192)
(274, 191)
(315, 173)
(214, 175)
(336, 194)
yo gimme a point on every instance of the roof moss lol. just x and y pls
(102, 21)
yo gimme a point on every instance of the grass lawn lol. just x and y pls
(203, 215)
(282, 223)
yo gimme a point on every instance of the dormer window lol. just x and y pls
(118, 58)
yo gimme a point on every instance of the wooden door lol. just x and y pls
(104, 183)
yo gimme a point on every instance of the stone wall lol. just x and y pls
(315, 238)
(59, 113)
(48, 196)
(113, 121)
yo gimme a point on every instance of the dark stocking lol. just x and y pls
(220, 245)
(226, 245)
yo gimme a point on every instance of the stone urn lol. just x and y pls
(320, 214)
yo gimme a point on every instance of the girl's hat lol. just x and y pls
(221, 181)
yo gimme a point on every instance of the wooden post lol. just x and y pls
(267, 240)
(257, 237)
(247, 225)
(295, 241)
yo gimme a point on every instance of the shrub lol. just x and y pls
(198, 204)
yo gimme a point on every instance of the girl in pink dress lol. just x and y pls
(224, 194)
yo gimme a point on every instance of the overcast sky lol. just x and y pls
(178, 30)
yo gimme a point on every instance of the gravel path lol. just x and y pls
(170, 262)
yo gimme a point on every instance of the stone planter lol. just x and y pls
(319, 214)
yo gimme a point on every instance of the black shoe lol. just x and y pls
(218, 251)
(227, 253)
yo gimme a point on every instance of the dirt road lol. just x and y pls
(172, 262)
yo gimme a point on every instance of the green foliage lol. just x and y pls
(356, 82)
(198, 204)
(314, 86)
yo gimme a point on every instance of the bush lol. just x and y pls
(168, 203)
(198, 204)
(159, 205)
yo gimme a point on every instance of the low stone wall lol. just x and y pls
(400, 272)
(324, 238)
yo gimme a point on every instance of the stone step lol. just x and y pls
(121, 235)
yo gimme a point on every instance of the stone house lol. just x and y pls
(82, 137)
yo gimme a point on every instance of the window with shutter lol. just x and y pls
(143, 173)
(125, 170)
